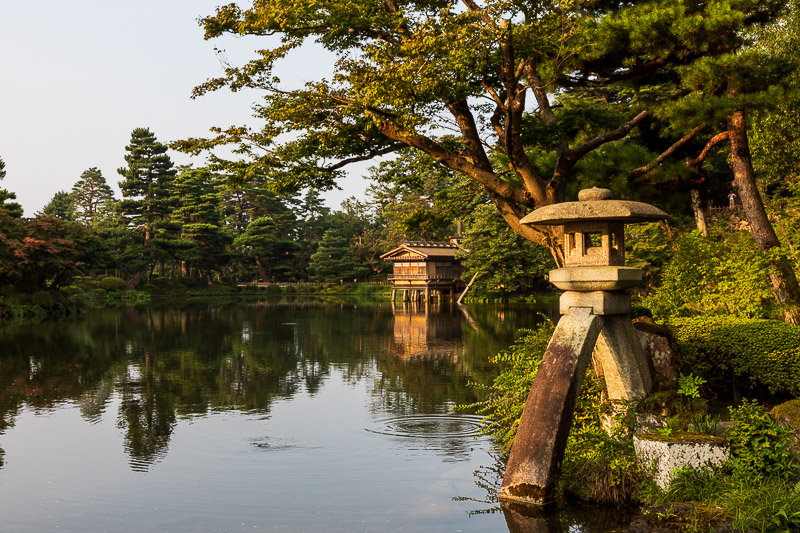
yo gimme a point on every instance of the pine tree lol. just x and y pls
(148, 198)
(698, 69)
(59, 206)
(13, 208)
(148, 178)
(333, 260)
(197, 211)
(272, 250)
(91, 197)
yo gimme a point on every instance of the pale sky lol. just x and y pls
(76, 77)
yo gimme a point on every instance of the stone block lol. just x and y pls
(659, 351)
(598, 278)
(668, 454)
(601, 302)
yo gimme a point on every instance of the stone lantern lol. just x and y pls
(596, 317)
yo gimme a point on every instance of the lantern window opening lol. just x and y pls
(594, 243)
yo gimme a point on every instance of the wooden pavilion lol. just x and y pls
(425, 269)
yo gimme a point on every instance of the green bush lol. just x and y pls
(506, 396)
(112, 283)
(289, 289)
(134, 297)
(757, 489)
(598, 466)
(98, 293)
(746, 502)
(723, 274)
(765, 351)
(43, 299)
(760, 445)
(273, 290)
(71, 290)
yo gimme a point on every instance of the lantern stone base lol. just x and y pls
(667, 454)
(596, 278)
(601, 302)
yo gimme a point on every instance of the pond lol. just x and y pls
(256, 416)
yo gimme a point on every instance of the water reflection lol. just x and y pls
(426, 331)
(575, 519)
(561, 518)
(165, 364)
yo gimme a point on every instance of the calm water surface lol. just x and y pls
(254, 416)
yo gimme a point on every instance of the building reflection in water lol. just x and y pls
(426, 331)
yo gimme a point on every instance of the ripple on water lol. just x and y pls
(428, 426)
(272, 445)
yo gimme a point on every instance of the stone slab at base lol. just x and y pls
(596, 278)
(601, 302)
(668, 454)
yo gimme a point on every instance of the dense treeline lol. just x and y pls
(215, 226)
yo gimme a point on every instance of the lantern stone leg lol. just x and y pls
(625, 369)
(535, 462)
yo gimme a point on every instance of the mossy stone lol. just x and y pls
(684, 437)
(788, 412)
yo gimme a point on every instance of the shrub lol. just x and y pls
(289, 289)
(722, 274)
(43, 299)
(273, 290)
(99, 293)
(765, 351)
(112, 296)
(600, 464)
(760, 445)
(133, 296)
(112, 283)
(71, 290)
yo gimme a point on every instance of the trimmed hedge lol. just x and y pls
(765, 351)
(112, 283)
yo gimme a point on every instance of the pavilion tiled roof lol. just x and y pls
(426, 250)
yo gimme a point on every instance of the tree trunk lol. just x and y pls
(784, 281)
(184, 269)
(134, 280)
(699, 216)
(261, 270)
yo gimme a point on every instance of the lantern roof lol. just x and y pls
(594, 205)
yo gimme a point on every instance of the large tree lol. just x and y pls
(268, 246)
(198, 204)
(409, 72)
(711, 93)
(92, 197)
(147, 192)
(524, 87)
(60, 206)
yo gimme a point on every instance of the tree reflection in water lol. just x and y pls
(163, 364)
